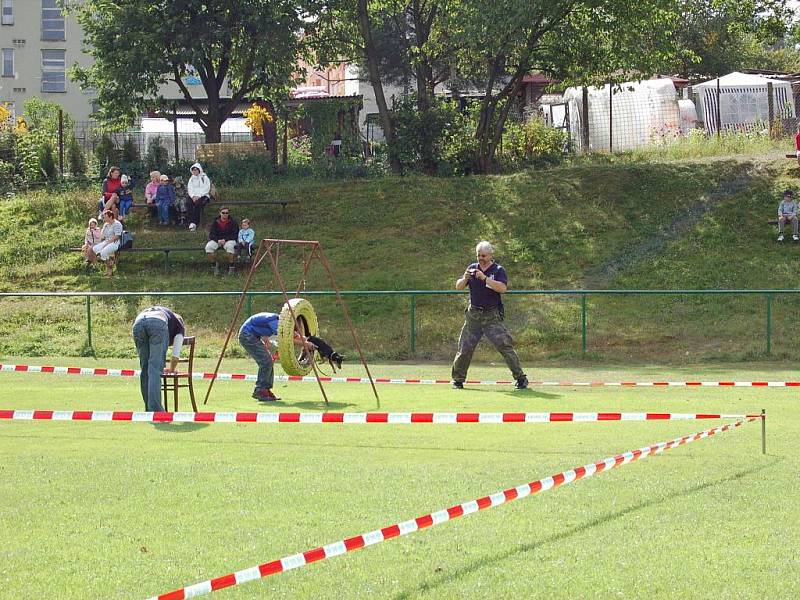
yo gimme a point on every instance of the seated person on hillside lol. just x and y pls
(165, 198)
(199, 190)
(181, 206)
(222, 234)
(90, 238)
(125, 193)
(111, 185)
(244, 243)
(150, 191)
(787, 213)
(109, 242)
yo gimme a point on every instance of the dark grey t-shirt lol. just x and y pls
(479, 294)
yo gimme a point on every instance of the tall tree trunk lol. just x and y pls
(365, 27)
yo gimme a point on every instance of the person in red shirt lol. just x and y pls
(111, 184)
(797, 144)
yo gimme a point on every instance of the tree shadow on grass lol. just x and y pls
(488, 561)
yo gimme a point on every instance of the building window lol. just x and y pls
(7, 68)
(54, 70)
(52, 21)
(8, 12)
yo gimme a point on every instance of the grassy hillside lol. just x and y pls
(692, 224)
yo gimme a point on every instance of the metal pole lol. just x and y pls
(769, 324)
(770, 107)
(413, 315)
(89, 322)
(718, 115)
(175, 131)
(610, 118)
(585, 120)
(61, 142)
(583, 323)
(763, 431)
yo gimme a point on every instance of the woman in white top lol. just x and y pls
(108, 245)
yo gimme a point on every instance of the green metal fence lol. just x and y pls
(580, 295)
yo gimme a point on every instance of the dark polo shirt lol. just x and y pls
(480, 295)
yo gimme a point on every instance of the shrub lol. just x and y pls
(6, 173)
(76, 158)
(130, 151)
(105, 154)
(27, 155)
(532, 143)
(47, 161)
(237, 170)
(157, 155)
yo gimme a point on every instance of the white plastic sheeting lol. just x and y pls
(743, 102)
(642, 112)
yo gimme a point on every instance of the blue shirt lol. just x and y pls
(261, 324)
(479, 294)
(246, 236)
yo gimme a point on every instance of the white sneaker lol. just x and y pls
(192, 227)
(780, 238)
(795, 238)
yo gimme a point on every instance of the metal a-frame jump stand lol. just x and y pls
(271, 250)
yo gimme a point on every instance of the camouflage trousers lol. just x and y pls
(477, 324)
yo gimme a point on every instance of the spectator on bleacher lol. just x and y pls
(787, 212)
(125, 193)
(244, 242)
(109, 242)
(90, 238)
(150, 191)
(198, 188)
(165, 198)
(111, 184)
(181, 200)
(223, 233)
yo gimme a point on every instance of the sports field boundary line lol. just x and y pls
(106, 372)
(355, 418)
(363, 540)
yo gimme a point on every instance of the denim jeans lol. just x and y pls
(151, 336)
(125, 207)
(163, 212)
(255, 348)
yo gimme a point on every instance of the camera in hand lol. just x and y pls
(472, 272)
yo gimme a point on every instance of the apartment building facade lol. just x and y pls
(38, 44)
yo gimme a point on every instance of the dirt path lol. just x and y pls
(602, 275)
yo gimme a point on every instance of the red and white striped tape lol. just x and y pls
(401, 381)
(295, 561)
(399, 418)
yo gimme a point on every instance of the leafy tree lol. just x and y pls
(249, 47)
(42, 115)
(720, 36)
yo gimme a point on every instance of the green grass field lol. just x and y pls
(121, 510)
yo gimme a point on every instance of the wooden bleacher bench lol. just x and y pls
(166, 251)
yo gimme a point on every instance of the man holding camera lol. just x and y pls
(487, 280)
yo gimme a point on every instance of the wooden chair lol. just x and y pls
(172, 382)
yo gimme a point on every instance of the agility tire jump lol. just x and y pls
(289, 355)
